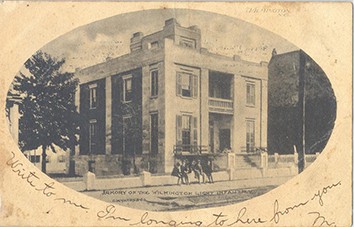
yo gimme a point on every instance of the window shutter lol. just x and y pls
(121, 89)
(155, 86)
(179, 129)
(253, 95)
(194, 130)
(195, 86)
(178, 85)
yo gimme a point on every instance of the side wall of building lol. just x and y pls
(153, 105)
(96, 115)
(131, 111)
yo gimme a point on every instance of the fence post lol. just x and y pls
(296, 158)
(264, 160)
(89, 180)
(231, 164)
(276, 158)
(264, 163)
(294, 169)
(145, 178)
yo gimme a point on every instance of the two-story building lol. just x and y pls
(169, 99)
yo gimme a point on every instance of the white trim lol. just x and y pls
(154, 69)
(93, 122)
(94, 85)
(254, 94)
(125, 78)
(91, 89)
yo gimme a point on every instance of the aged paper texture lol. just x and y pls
(175, 114)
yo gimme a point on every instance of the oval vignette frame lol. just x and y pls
(145, 107)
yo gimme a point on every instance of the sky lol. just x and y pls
(94, 43)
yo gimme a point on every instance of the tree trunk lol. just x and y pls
(44, 160)
(71, 164)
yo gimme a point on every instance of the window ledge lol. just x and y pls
(186, 97)
(126, 102)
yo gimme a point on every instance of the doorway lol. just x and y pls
(224, 138)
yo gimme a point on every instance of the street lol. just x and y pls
(192, 196)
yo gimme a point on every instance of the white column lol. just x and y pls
(204, 110)
(264, 113)
(108, 115)
(238, 115)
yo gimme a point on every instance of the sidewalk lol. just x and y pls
(177, 197)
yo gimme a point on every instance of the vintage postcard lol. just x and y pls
(175, 114)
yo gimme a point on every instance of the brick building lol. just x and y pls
(168, 99)
(292, 119)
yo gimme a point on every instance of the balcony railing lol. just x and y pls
(253, 149)
(190, 149)
(218, 105)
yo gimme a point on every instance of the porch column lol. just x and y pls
(108, 115)
(204, 108)
(264, 113)
(238, 115)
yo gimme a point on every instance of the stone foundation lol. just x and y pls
(105, 165)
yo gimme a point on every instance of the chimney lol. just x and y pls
(135, 41)
(194, 28)
(171, 21)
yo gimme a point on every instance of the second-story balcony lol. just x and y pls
(218, 105)
(220, 93)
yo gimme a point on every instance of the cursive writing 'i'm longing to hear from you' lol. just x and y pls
(236, 217)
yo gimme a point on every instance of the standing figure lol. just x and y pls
(177, 173)
(198, 170)
(201, 171)
(184, 171)
(208, 171)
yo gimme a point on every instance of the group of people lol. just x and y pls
(202, 172)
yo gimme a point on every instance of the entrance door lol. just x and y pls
(224, 138)
(211, 138)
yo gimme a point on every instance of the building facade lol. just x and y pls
(301, 104)
(169, 99)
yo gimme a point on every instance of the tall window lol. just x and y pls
(92, 136)
(127, 136)
(127, 88)
(251, 97)
(154, 133)
(250, 135)
(186, 130)
(187, 85)
(93, 96)
(154, 82)
(186, 126)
